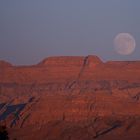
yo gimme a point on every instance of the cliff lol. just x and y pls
(71, 98)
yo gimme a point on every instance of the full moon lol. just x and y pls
(124, 43)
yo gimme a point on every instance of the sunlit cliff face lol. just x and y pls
(68, 97)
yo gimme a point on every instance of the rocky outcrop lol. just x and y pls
(4, 64)
(71, 98)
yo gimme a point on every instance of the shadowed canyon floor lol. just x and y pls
(71, 98)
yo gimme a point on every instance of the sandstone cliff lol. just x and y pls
(71, 98)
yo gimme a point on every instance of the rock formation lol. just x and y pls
(71, 98)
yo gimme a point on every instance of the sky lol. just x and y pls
(31, 30)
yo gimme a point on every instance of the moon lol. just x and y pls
(124, 44)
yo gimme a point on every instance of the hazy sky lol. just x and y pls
(31, 30)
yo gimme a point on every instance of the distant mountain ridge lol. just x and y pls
(70, 60)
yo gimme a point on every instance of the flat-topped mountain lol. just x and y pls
(71, 98)
(70, 61)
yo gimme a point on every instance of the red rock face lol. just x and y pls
(71, 98)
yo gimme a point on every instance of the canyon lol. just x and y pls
(71, 98)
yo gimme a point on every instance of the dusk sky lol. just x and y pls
(31, 30)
